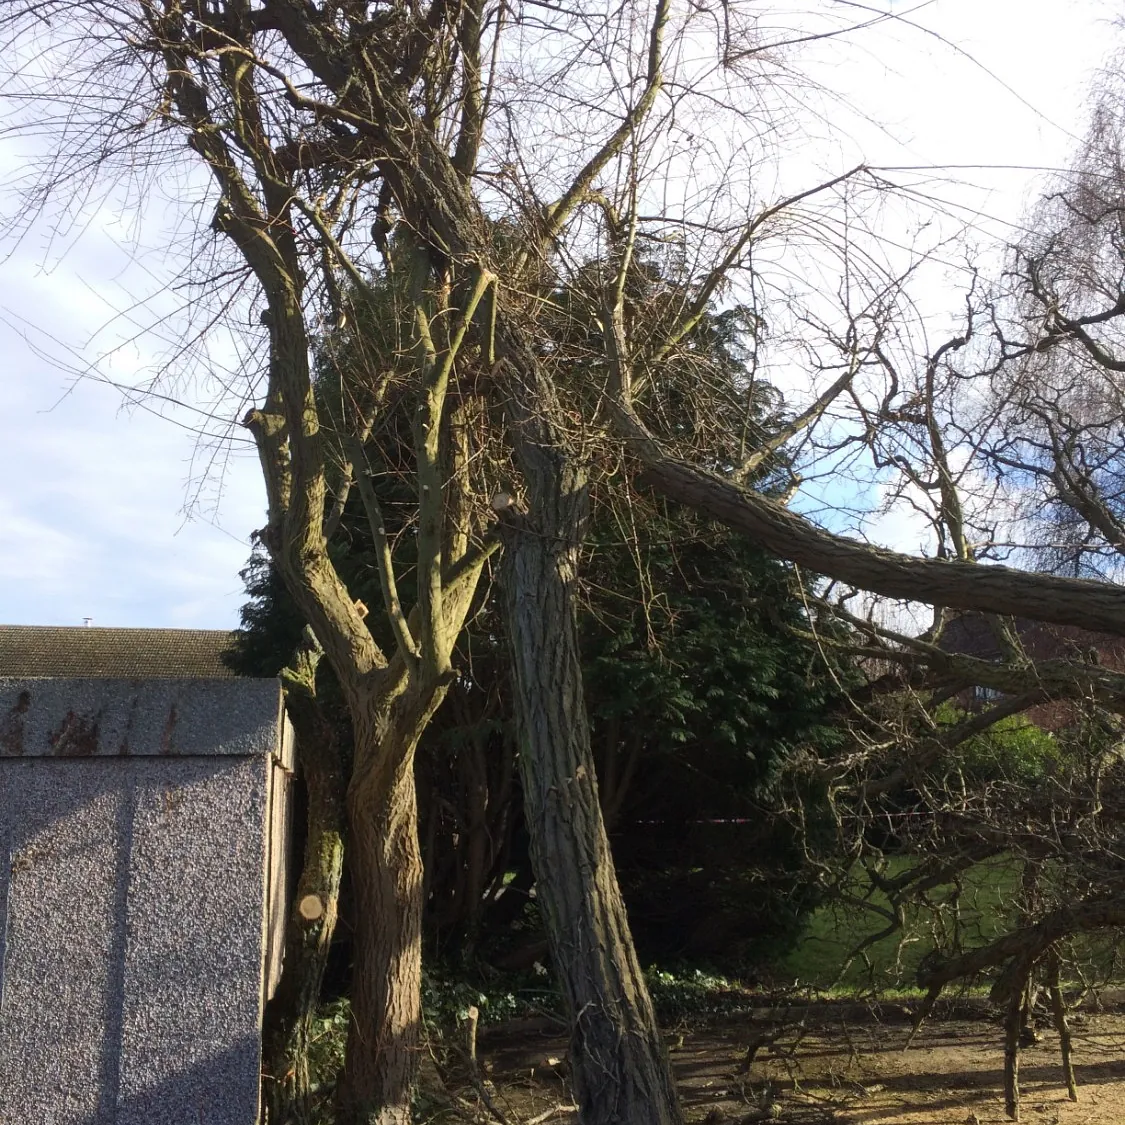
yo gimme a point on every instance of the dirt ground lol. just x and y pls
(848, 1067)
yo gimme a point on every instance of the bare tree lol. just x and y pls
(439, 144)
(194, 70)
(1006, 441)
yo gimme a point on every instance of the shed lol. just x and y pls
(142, 896)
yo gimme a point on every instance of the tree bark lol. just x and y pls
(384, 1041)
(1062, 1024)
(1099, 606)
(618, 1061)
(1012, 1054)
(289, 1016)
(478, 850)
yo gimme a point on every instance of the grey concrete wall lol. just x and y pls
(134, 900)
(67, 718)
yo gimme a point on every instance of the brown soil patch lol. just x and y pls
(843, 1069)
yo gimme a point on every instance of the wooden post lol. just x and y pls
(471, 1019)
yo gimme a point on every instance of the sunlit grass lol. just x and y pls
(971, 914)
(980, 908)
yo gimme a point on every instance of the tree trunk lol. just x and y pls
(1062, 1024)
(1012, 1053)
(385, 861)
(289, 1016)
(1099, 606)
(478, 850)
(618, 1061)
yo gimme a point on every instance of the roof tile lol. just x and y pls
(44, 650)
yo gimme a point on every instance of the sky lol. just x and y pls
(114, 513)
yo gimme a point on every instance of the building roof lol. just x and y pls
(971, 634)
(46, 650)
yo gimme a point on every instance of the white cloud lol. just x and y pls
(93, 504)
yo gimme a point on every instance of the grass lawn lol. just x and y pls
(975, 913)
(980, 909)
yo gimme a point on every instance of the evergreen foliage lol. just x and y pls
(696, 674)
(698, 685)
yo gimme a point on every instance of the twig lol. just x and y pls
(539, 1118)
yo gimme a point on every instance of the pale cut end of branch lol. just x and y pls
(310, 908)
(502, 501)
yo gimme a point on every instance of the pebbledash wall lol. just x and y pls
(142, 897)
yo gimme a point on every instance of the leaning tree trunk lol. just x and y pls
(385, 861)
(289, 1015)
(618, 1061)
